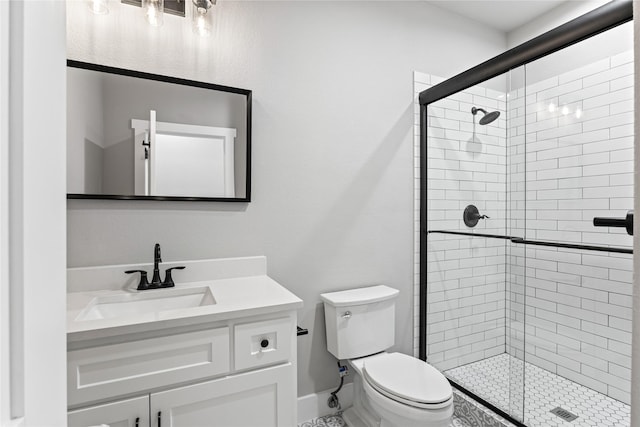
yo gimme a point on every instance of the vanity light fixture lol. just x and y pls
(153, 12)
(201, 16)
(99, 7)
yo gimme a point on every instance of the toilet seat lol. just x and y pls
(408, 380)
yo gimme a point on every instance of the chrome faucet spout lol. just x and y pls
(155, 281)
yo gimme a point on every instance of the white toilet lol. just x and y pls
(390, 389)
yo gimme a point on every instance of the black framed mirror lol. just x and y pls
(139, 136)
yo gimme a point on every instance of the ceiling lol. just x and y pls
(502, 15)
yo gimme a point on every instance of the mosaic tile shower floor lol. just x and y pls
(544, 391)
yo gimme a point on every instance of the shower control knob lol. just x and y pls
(264, 343)
(471, 216)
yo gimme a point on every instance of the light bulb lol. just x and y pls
(552, 107)
(201, 25)
(578, 113)
(201, 17)
(153, 12)
(565, 110)
(99, 7)
(152, 16)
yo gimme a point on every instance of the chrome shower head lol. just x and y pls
(488, 117)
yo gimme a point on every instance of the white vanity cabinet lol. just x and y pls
(240, 372)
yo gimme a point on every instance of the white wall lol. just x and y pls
(555, 17)
(635, 359)
(332, 159)
(5, 327)
(35, 205)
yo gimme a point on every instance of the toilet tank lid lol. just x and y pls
(359, 296)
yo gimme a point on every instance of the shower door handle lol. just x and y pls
(626, 222)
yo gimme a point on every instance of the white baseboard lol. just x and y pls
(315, 404)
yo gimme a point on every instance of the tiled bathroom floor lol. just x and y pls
(544, 391)
(326, 421)
(337, 421)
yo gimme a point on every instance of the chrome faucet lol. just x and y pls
(155, 281)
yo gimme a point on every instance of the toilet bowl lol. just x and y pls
(393, 389)
(390, 389)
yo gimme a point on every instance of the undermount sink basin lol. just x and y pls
(143, 302)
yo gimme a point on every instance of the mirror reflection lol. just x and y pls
(134, 135)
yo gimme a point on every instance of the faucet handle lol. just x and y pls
(144, 283)
(168, 280)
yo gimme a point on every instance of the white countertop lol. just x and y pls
(234, 298)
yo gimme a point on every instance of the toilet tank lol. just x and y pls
(360, 321)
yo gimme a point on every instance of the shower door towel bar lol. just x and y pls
(521, 241)
(613, 249)
(465, 233)
(626, 222)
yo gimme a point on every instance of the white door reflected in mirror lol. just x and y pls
(174, 159)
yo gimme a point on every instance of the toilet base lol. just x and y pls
(355, 418)
(352, 418)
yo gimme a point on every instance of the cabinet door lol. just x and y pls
(125, 413)
(265, 398)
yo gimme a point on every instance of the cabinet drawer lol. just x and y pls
(125, 413)
(118, 369)
(262, 343)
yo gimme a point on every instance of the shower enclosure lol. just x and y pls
(525, 304)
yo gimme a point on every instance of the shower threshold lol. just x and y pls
(544, 392)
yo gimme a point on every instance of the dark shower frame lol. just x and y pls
(588, 25)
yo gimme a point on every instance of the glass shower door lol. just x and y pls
(579, 166)
(469, 316)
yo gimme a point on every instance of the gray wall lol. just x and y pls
(118, 170)
(85, 130)
(333, 145)
(93, 167)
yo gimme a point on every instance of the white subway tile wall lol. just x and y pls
(466, 275)
(559, 154)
